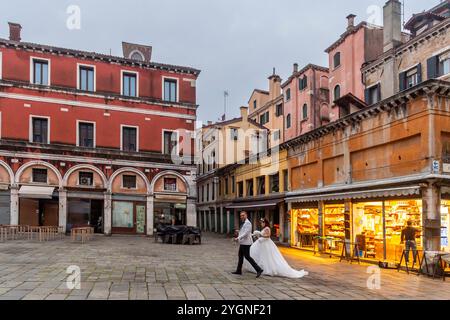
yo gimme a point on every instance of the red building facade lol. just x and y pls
(91, 139)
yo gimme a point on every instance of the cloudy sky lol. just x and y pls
(235, 43)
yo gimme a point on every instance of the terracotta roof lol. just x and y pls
(348, 99)
(97, 56)
(303, 70)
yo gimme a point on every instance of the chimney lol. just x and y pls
(210, 123)
(244, 113)
(274, 86)
(295, 67)
(14, 31)
(351, 21)
(392, 20)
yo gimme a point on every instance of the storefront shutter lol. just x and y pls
(433, 67)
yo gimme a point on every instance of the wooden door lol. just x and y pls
(29, 212)
(50, 214)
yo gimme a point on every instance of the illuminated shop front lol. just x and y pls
(305, 226)
(445, 220)
(378, 225)
(335, 226)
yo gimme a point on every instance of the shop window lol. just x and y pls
(306, 224)
(274, 183)
(334, 217)
(129, 84)
(129, 182)
(261, 185)
(170, 184)
(39, 175)
(41, 75)
(86, 179)
(250, 190)
(40, 130)
(445, 223)
(368, 229)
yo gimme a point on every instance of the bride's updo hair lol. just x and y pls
(266, 223)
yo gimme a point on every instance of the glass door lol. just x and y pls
(123, 217)
(140, 219)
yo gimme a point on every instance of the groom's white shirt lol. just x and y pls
(245, 234)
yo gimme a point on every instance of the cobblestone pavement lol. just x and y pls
(119, 268)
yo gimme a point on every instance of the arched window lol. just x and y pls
(136, 55)
(288, 121)
(305, 111)
(337, 60)
(337, 92)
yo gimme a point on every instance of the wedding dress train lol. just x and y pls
(267, 255)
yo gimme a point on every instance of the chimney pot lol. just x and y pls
(14, 31)
(351, 21)
(295, 67)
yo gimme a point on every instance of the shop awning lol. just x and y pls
(36, 192)
(367, 194)
(265, 204)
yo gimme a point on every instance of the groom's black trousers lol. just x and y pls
(244, 252)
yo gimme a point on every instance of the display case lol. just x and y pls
(307, 226)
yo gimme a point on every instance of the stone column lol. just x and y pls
(228, 222)
(62, 208)
(431, 206)
(150, 215)
(321, 223)
(14, 220)
(281, 213)
(107, 220)
(216, 220)
(209, 220)
(205, 225)
(191, 213)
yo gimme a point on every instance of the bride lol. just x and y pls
(266, 254)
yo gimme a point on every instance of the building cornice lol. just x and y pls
(97, 57)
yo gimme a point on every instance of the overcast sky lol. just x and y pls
(235, 43)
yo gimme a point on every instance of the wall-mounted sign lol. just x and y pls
(446, 168)
(436, 166)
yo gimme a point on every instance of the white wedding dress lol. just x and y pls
(266, 254)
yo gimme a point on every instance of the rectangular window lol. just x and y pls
(261, 185)
(250, 190)
(234, 134)
(170, 90)
(264, 118)
(39, 175)
(41, 72)
(279, 110)
(39, 130)
(288, 94)
(411, 78)
(86, 134)
(170, 184)
(233, 185)
(86, 179)
(240, 189)
(129, 139)
(170, 142)
(286, 180)
(373, 94)
(129, 182)
(275, 183)
(129, 84)
(226, 186)
(207, 192)
(444, 64)
(87, 78)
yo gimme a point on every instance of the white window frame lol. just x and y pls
(122, 72)
(122, 126)
(178, 140)
(164, 78)
(32, 69)
(30, 128)
(1, 65)
(176, 184)
(83, 185)
(78, 131)
(128, 174)
(79, 65)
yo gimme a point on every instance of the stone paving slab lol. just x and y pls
(136, 268)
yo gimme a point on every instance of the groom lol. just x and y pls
(246, 241)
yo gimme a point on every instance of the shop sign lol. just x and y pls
(436, 166)
(446, 167)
